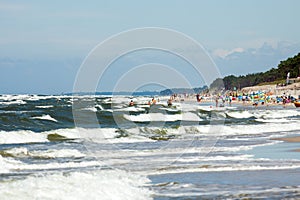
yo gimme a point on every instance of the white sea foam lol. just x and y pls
(96, 135)
(17, 152)
(169, 153)
(263, 114)
(36, 97)
(222, 168)
(211, 108)
(12, 165)
(161, 117)
(121, 100)
(18, 101)
(99, 106)
(17, 137)
(105, 185)
(48, 106)
(273, 114)
(13, 97)
(6, 164)
(215, 158)
(186, 107)
(190, 117)
(45, 117)
(240, 115)
(51, 153)
(57, 153)
(147, 117)
(175, 154)
(93, 109)
(131, 109)
(144, 106)
(119, 106)
(251, 129)
(28, 97)
(101, 135)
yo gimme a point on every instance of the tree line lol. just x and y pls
(231, 82)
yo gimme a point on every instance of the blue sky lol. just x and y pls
(42, 43)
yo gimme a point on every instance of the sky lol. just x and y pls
(44, 43)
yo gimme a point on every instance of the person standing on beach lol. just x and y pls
(169, 102)
(283, 99)
(230, 99)
(223, 100)
(244, 98)
(217, 100)
(198, 97)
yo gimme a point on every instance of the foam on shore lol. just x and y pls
(106, 185)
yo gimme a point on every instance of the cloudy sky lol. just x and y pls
(43, 43)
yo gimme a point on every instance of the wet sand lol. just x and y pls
(289, 139)
(295, 139)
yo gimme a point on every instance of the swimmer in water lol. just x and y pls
(170, 102)
(131, 103)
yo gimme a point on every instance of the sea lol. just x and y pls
(97, 147)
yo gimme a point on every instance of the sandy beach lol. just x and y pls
(234, 103)
(292, 89)
(289, 139)
(295, 139)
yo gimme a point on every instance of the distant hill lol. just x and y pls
(169, 92)
(291, 65)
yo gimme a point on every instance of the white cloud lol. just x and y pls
(223, 53)
(250, 60)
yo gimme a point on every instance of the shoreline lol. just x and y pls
(256, 96)
(236, 103)
(294, 139)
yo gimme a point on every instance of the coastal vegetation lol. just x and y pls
(276, 75)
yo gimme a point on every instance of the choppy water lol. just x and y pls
(188, 151)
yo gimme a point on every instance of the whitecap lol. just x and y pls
(45, 117)
(19, 102)
(93, 109)
(99, 106)
(48, 106)
(18, 137)
(131, 109)
(240, 115)
(154, 117)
